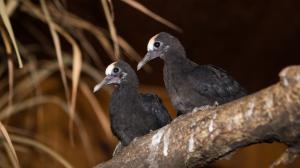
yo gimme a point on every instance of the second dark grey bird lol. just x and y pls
(131, 114)
(190, 86)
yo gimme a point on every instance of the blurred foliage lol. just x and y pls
(36, 104)
(49, 116)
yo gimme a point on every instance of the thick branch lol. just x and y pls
(199, 138)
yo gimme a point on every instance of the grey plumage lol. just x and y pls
(190, 85)
(132, 114)
(153, 103)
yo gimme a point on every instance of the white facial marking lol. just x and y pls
(124, 75)
(150, 46)
(109, 69)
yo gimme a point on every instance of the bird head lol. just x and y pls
(117, 73)
(159, 46)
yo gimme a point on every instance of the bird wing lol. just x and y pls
(154, 105)
(213, 82)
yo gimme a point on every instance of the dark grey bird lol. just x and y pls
(132, 114)
(190, 86)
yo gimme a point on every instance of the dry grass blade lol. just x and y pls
(72, 20)
(91, 71)
(111, 6)
(151, 14)
(10, 66)
(31, 102)
(11, 6)
(132, 54)
(26, 84)
(77, 60)
(130, 51)
(49, 68)
(42, 147)
(112, 28)
(10, 80)
(88, 47)
(38, 100)
(102, 118)
(77, 64)
(60, 4)
(10, 31)
(58, 50)
(32, 71)
(83, 24)
(9, 154)
(11, 149)
(98, 32)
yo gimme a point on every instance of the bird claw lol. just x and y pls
(206, 107)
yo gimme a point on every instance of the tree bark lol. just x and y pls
(199, 138)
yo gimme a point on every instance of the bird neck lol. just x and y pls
(127, 87)
(126, 91)
(177, 61)
(124, 103)
(129, 80)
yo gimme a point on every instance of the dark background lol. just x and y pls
(251, 39)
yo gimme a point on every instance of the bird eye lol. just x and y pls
(116, 70)
(156, 44)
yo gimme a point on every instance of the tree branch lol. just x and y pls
(197, 139)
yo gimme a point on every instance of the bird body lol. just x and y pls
(129, 117)
(189, 85)
(132, 114)
(153, 103)
(199, 85)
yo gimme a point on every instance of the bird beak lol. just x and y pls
(106, 81)
(148, 57)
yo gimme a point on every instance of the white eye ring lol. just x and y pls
(156, 44)
(110, 68)
(150, 46)
(153, 45)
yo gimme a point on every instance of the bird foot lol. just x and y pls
(206, 107)
(118, 149)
